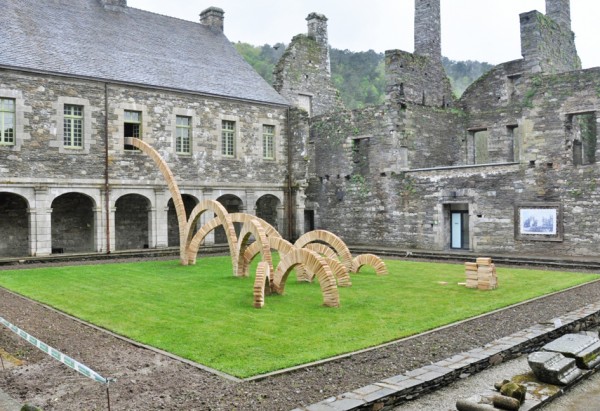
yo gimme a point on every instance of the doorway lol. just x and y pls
(459, 230)
(457, 226)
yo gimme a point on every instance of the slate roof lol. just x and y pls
(83, 38)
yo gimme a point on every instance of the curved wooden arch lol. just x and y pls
(369, 259)
(315, 263)
(173, 189)
(279, 244)
(339, 271)
(319, 248)
(252, 227)
(244, 218)
(322, 249)
(330, 239)
(262, 284)
(193, 243)
(198, 239)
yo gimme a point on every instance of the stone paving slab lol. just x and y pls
(401, 388)
(7, 403)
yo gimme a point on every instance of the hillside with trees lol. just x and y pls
(359, 76)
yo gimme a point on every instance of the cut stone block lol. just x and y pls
(553, 367)
(584, 348)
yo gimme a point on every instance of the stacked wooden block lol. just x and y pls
(471, 273)
(481, 274)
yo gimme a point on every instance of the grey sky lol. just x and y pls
(484, 30)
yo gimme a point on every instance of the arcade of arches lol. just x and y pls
(40, 222)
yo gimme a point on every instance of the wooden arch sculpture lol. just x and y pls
(173, 189)
(331, 240)
(317, 264)
(369, 259)
(224, 218)
(318, 253)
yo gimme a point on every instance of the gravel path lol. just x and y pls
(150, 381)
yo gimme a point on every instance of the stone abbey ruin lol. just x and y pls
(509, 167)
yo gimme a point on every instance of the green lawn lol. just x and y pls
(206, 315)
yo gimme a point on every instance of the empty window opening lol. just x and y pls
(514, 143)
(132, 126)
(478, 150)
(584, 134)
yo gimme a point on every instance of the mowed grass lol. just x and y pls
(205, 314)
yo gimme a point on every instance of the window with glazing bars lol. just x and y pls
(73, 126)
(183, 131)
(7, 121)
(228, 138)
(268, 141)
(133, 126)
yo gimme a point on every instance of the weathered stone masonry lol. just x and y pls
(54, 198)
(525, 133)
(423, 170)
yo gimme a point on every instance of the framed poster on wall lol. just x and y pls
(538, 222)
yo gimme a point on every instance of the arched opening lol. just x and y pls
(189, 202)
(267, 208)
(232, 204)
(14, 226)
(132, 225)
(72, 224)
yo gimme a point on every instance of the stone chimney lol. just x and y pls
(112, 4)
(428, 33)
(317, 28)
(213, 18)
(560, 12)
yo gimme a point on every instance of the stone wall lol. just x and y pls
(416, 79)
(303, 74)
(40, 165)
(547, 46)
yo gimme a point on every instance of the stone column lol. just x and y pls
(299, 212)
(280, 219)
(152, 227)
(250, 202)
(100, 229)
(161, 217)
(206, 217)
(113, 227)
(41, 223)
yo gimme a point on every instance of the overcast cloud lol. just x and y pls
(484, 30)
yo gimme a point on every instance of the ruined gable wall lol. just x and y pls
(417, 79)
(547, 46)
(303, 74)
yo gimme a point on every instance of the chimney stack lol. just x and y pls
(113, 4)
(317, 28)
(560, 12)
(213, 17)
(428, 32)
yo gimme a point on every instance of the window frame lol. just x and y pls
(87, 140)
(179, 139)
(228, 143)
(72, 119)
(138, 123)
(3, 112)
(268, 142)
